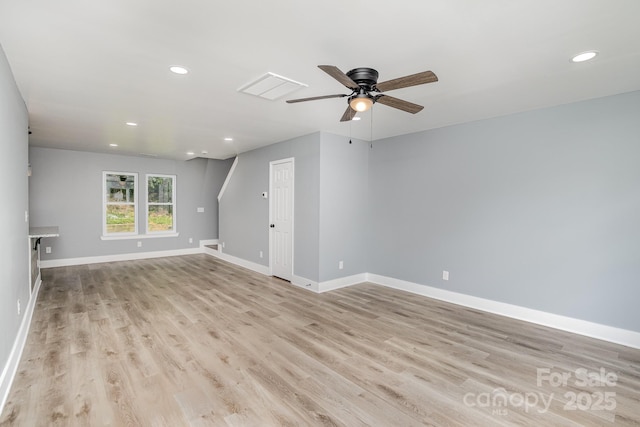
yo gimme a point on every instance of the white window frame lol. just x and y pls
(173, 204)
(105, 203)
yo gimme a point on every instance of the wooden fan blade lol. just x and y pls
(314, 98)
(349, 114)
(335, 72)
(400, 104)
(407, 81)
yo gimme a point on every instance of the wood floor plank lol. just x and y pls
(195, 341)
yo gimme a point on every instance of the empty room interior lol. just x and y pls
(347, 212)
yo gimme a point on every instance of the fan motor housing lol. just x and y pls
(365, 77)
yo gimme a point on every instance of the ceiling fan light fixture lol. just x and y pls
(361, 102)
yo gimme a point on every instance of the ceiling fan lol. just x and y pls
(366, 90)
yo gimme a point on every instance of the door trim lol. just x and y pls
(293, 204)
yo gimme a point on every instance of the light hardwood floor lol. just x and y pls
(195, 341)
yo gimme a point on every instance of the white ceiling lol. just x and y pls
(85, 68)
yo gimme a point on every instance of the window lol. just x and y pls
(120, 206)
(161, 200)
(120, 203)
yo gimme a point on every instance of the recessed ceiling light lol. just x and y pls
(113, 145)
(228, 139)
(178, 69)
(190, 153)
(584, 56)
(356, 118)
(131, 124)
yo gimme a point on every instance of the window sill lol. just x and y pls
(139, 236)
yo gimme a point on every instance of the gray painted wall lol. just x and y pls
(66, 190)
(343, 206)
(208, 184)
(539, 209)
(244, 214)
(330, 205)
(14, 250)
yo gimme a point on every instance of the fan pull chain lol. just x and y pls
(371, 131)
(350, 127)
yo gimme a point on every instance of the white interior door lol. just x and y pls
(281, 224)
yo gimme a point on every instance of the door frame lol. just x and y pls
(293, 192)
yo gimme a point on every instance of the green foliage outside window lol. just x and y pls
(121, 219)
(120, 206)
(160, 203)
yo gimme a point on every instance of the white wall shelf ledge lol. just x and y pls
(40, 232)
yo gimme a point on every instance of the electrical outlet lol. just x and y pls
(200, 210)
(19, 308)
(445, 275)
(190, 239)
(261, 254)
(26, 216)
(47, 249)
(223, 244)
(139, 244)
(340, 265)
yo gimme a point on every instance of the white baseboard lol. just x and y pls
(209, 251)
(66, 262)
(304, 283)
(328, 285)
(37, 283)
(568, 324)
(258, 268)
(11, 367)
(342, 282)
(299, 281)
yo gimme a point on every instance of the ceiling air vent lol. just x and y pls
(271, 86)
